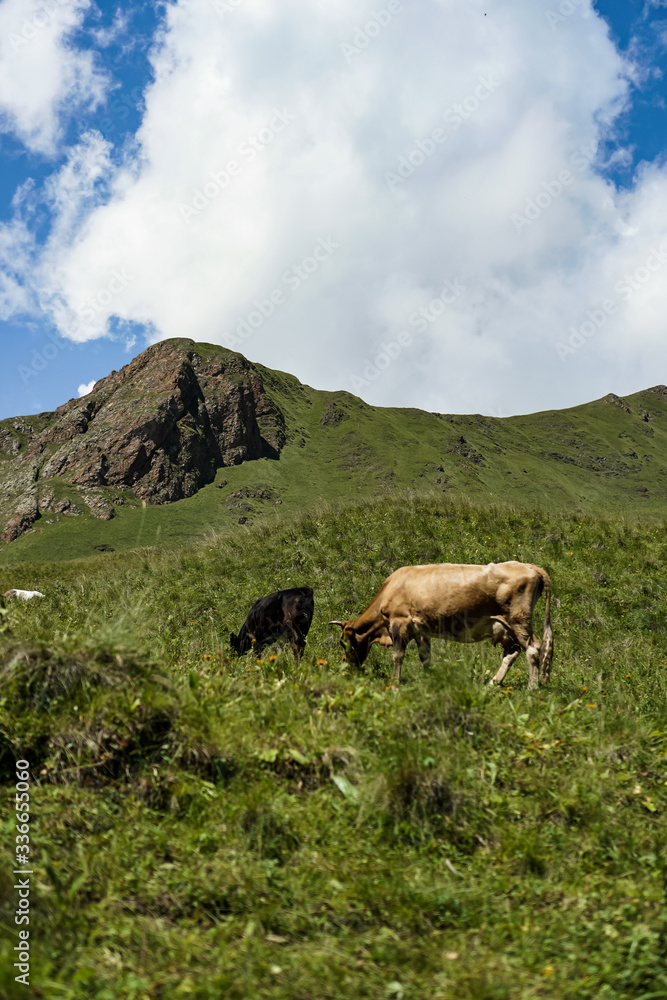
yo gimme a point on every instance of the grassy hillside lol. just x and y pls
(211, 827)
(609, 456)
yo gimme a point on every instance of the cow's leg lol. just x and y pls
(400, 640)
(545, 668)
(424, 649)
(533, 657)
(511, 649)
(399, 653)
(508, 660)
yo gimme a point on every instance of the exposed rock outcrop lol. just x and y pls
(161, 427)
(24, 516)
(466, 452)
(333, 415)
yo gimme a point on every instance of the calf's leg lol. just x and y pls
(296, 641)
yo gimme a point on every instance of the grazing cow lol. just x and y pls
(460, 602)
(23, 595)
(287, 612)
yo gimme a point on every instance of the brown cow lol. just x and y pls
(460, 602)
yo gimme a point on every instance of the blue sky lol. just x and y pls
(454, 206)
(42, 368)
(639, 27)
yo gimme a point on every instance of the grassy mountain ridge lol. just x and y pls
(608, 455)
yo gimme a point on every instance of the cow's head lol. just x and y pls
(355, 646)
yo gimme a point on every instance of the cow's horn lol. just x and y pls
(342, 624)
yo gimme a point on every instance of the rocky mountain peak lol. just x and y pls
(161, 427)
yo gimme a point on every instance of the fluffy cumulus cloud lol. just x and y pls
(397, 198)
(86, 388)
(41, 74)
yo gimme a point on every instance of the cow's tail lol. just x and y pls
(547, 644)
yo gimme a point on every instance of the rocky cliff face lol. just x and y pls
(159, 427)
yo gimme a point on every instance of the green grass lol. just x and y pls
(211, 827)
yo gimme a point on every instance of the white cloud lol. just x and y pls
(16, 251)
(84, 389)
(302, 134)
(42, 76)
(118, 27)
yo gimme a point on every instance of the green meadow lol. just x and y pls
(204, 826)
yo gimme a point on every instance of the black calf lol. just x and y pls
(287, 612)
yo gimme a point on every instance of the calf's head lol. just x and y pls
(240, 643)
